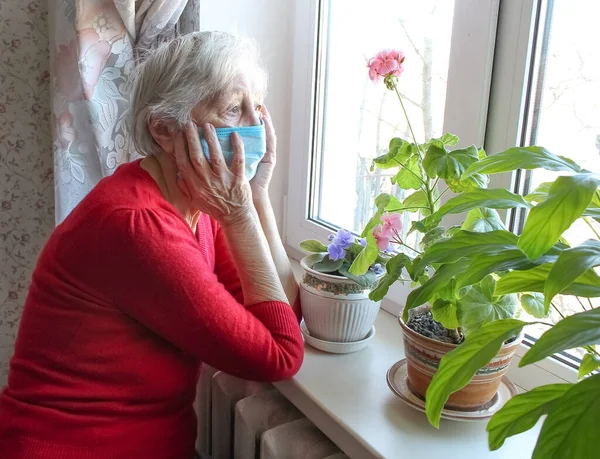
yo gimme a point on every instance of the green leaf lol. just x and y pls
(574, 331)
(494, 198)
(567, 199)
(466, 244)
(498, 263)
(482, 220)
(432, 236)
(439, 162)
(571, 264)
(533, 304)
(385, 202)
(366, 258)
(473, 182)
(589, 363)
(534, 280)
(449, 140)
(522, 158)
(522, 412)
(445, 312)
(393, 270)
(327, 265)
(540, 193)
(485, 253)
(571, 428)
(438, 281)
(416, 202)
(480, 306)
(399, 151)
(313, 246)
(458, 366)
(409, 177)
(367, 279)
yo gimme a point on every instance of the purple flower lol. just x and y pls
(378, 269)
(362, 241)
(331, 237)
(335, 252)
(343, 239)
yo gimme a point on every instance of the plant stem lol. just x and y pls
(409, 247)
(428, 190)
(557, 310)
(408, 121)
(441, 194)
(587, 220)
(413, 207)
(591, 305)
(581, 303)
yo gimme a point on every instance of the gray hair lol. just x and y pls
(182, 73)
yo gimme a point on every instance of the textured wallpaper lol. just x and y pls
(26, 182)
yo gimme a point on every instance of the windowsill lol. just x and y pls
(347, 397)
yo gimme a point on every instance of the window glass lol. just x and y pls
(357, 118)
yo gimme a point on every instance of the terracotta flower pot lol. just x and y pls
(423, 357)
(335, 308)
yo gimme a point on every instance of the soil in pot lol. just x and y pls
(425, 325)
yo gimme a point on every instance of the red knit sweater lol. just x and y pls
(124, 304)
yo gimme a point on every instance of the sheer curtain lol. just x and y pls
(93, 48)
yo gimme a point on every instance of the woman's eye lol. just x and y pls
(234, 110)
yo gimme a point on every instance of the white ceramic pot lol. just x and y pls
(335, 308)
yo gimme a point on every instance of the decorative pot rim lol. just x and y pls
(308, 260)
(450, 346)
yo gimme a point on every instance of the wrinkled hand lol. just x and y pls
(212, 187)
(264, 171)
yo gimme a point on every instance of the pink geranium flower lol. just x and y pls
(392, 224)
(388, 62)
(383, 241)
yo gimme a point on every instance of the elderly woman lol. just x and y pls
(172, 261)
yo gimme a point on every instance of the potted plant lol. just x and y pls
(455, 271)
(540, 265)
(335, 303)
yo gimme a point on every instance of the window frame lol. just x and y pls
(496, 69)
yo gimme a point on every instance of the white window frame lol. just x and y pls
(475, 58)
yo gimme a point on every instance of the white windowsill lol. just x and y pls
(347, 397)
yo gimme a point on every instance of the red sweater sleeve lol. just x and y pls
(155, 271)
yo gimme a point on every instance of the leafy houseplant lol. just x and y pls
(335, 302)
(540, 265)
(469, 275)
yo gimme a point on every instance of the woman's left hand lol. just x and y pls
(264, 171)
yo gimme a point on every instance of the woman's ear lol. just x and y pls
(163, 134)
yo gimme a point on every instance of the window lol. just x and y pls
(341, 120)
(562, 110)
(358, 117)
(497, 74)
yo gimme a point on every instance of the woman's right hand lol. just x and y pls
(213, 188)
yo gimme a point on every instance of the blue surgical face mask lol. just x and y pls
(255, 145)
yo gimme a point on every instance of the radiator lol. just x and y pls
(248, 420)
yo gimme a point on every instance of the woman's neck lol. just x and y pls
(164, 172)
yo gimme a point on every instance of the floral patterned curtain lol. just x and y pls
(93, 46)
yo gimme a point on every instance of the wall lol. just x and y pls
(26, 182)
(270, 22)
